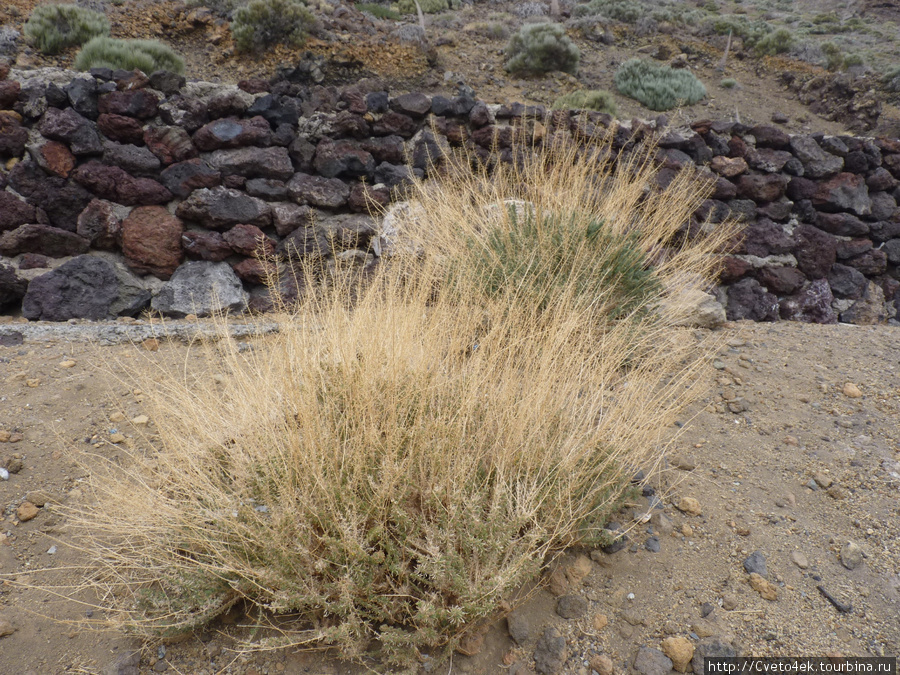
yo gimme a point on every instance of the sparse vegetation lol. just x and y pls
(541, 48)
(658, 87)
(53, 28)
(428, 6)
(492, 30)
(728, 83)
(777, 42)
(378, 11)
(146, 55)
(266, 23)
(390, 469)
(587, 99)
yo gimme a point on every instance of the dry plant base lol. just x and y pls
(391, 469)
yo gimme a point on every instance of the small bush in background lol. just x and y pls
(658, 87)
(728, 83)
(777, 42)
(542, 48)
(53, 28)
(222, 8)
(145, 55)
(266, 23)
(492, 30)
(891, 79)
(428, 6)
(378, 11)
(625, 11)
(587, 99)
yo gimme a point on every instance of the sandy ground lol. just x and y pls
(783, 457)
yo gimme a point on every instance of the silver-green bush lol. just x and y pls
(658, 87)
(265, 23)
(541, 48)
(145, 55)
(52, 28)
(587, 99)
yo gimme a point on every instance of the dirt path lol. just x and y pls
(783, 458)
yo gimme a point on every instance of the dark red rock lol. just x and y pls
(33, 238)
(764, 238)
(205, 245)
(9, 93)
(871, 263)
(395, 124)
(14, 211)
(365, 198)
(251, 162)
(75, 130)
(220, 208)
(781, 280)
(115, 184)
(249, 240)
(318, 191)
(287, 217)
(761, 188)
(800, 188)
(251, 270)
(34, 261)
(234, 182)
(850, 248)
(888, 145)
(346, 124)
(724, 189)
(121, 129)
(170, 144)
(770, 137)
(140, 103)
(100, 224)
(816, 251)
(748, 300)
(151, 241)
(737, 147)
(233, 133)
(82, 288)
(13, 136)
(843, 192)
(183, 178)
(842, 224)
(413, 104)
(62, 200)
(385, 149)
(493, 136)
(136, 79)
(12, 288)
(881, 179)
(812, 304)
(355, 100)
(733, 269)
(342, 158)
(254, 86)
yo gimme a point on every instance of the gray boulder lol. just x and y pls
(201, 288)
(82, 288)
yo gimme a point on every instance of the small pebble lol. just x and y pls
(690, 506)
(800, 559)
(851, 555)
(852, 391)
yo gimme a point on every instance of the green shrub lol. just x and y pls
(145, 55)
(625, 11)
(266, 23)
(728, 83)
(658, 87)
(853, 60)
(428, 6)
(53, 28)
(834, 57)
(777, 42)
(492, 30)
(891, 79)
(541, 48)
(378, 11)
(587, 99)
(222, 8)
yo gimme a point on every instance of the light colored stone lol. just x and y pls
(680, 650)
(68, 363)
(852, 391)
(6, 627)
(690, 506)
(579, 569)
(26, 511)
(851, 555)
(601, 664)
(766, 590)
(693, 308)
(117, 438)
(140, 420)
(600, 621)
(117, 417)
(799, 559)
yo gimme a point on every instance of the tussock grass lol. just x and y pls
(406, 452)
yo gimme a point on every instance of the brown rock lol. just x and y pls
(766, 590)
(170, 144)
(690, 506)
(122, 129)
(602, 664)
(850, 390)
(728, 166)
(26, 511)
(55, 158)
(151, 241)
(51, 241)
(249, 240)
(6, 627)
(252, 271)
(680, 650)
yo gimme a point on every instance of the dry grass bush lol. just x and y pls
(404, 454)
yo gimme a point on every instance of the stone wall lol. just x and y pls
(172, 188)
